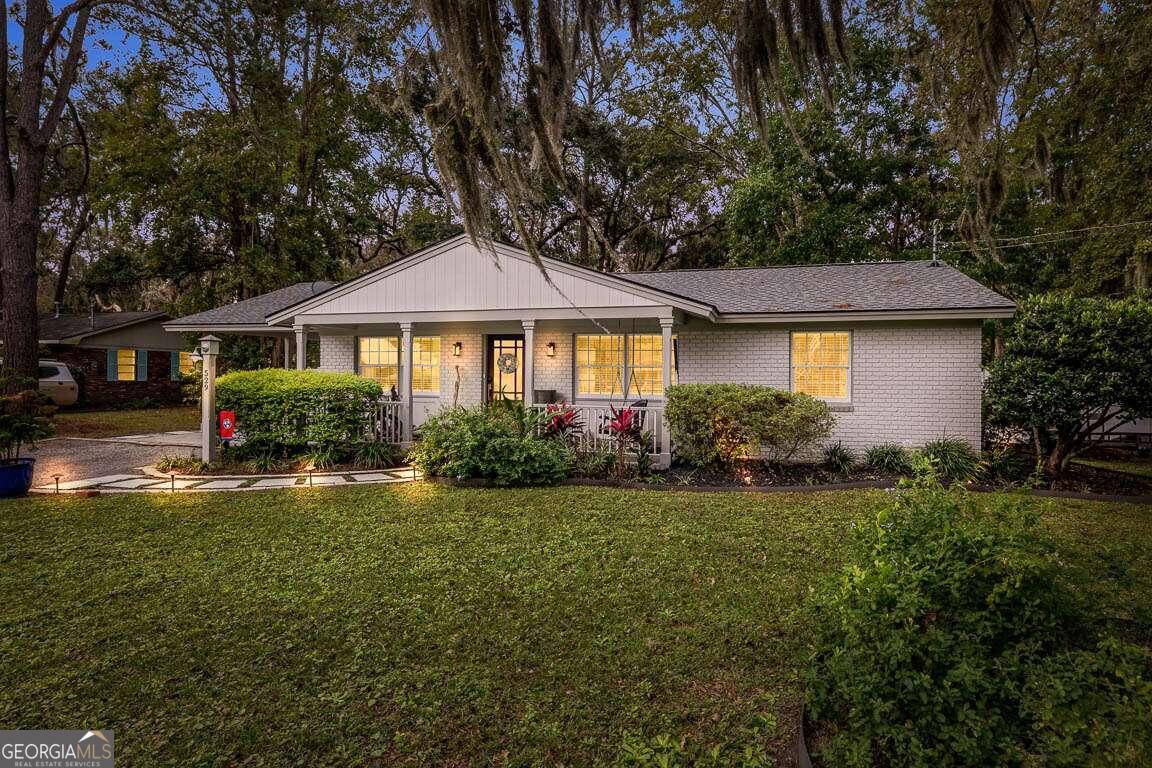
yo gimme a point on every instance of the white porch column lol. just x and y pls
(406, 379)
(301, 347)
(666, 365)
(286, 345)
(529, 366)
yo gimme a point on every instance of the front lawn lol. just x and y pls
(136, 421)
(424, 625)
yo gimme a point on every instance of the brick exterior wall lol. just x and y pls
(89, 365)
(337, 354)
(909, 383)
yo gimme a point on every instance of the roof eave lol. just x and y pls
(950, 313)
(183, 327)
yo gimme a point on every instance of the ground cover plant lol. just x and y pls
(428, 626)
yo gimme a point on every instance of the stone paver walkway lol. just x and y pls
(152, 482)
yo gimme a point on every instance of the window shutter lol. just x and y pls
(112, 365)
(141, 365)
(174, 366)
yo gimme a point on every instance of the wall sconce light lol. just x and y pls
(457, 348)
(550, 347)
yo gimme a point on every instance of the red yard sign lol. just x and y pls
(227, 425)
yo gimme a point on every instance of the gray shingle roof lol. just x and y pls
(253, 311)
(65, 327)
(865, 287)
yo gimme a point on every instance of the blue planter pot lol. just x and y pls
(16, 477)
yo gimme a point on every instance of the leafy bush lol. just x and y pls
(294, 409)
(948, 641)
(839, 459)
(891, 458)
(953, 460)
(719, 423)
(496, 443)
(1071, 366)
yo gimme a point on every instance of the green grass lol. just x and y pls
(424, 625)
(1139, 467)
(129, 422)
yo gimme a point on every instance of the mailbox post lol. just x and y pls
(209, 349)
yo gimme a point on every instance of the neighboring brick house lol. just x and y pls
(894, 348)
(118, 358)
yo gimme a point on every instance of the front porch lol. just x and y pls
(595, 367)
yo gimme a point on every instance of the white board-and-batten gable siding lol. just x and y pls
(465, 278)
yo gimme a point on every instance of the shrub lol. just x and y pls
(948, 640)
(839, 459)
(891, 458)
(952, 459)
(719, 423)
(294, 409)
(494, 443)
(1070, 366)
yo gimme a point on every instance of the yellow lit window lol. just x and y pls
(379, 359)
(821, 363)
(187, 364)
(426, 364)
(125, 365)
(599, 364)
(646, 365)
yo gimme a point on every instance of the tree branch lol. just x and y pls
(67, 77)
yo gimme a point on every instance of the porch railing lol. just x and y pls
(591, 430)
(387, 421)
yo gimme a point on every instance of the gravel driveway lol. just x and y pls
(78, 458)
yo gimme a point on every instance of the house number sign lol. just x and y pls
(506, 363)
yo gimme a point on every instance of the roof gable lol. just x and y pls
(456, 275)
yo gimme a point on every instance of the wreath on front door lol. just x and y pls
(507, 363)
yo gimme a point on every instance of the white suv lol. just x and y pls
(57, 382)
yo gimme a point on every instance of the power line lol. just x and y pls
(1081, 229)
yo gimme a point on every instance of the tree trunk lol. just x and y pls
(20, 226)
(1058, 457)
(78, 230)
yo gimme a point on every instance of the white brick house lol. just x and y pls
(893, 347)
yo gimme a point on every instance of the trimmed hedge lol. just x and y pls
(293, 409)
(719, 423)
